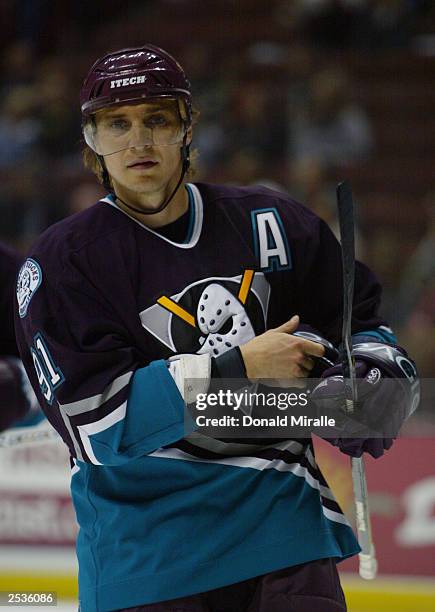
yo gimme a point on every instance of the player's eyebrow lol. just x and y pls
(113, 115)
(150, 109)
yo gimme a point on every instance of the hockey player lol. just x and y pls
(18, 405)
(166, 282)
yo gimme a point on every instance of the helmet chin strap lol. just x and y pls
(185, 158)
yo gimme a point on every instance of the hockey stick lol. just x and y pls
(367, 560)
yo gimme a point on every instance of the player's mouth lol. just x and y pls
(142, 164)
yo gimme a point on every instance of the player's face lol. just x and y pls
(141, 147)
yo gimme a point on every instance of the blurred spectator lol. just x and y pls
(257, 120)
(30, 17)
(301, 65)
(324, 23)
(21, 205)
(309, 184)
(308, 181)
(416, 293)
(267, 53)
(17, 65)
(419, 331)
(19, 127)
(388, 23)
(247, 167)
(210, 96)
(332, 128)
(58, 110)
(348, 24)
(383, 249)
(415, 301)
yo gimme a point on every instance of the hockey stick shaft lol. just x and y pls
(367, 559)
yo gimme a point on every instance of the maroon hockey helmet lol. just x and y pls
(132, 75)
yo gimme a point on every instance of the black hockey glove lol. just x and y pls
(388, 393)
(330, 357)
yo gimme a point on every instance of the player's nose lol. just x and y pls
(140, 136)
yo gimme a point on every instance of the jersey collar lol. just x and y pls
(195, 225)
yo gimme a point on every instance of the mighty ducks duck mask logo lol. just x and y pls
(212, 315)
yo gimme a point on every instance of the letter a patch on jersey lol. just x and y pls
(270, 242)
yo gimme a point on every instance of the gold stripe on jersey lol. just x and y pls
(245, 285)
(176, 309)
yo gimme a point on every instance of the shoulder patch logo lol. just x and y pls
(29, 279)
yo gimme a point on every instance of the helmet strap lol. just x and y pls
(105, 178)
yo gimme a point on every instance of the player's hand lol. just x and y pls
(277, 354)
(388, 392)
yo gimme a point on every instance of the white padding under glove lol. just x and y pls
(191, 373)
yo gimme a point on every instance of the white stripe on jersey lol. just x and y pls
(95, 401)
(75, 468)
(335, 516)
(258, 463)
(236, 448)
(98, 426)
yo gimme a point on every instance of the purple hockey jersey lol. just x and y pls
(102, 303)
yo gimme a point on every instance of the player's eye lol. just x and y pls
(118, 125)
(159, 120)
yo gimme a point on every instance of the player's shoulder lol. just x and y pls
(245, 195)
(259, 197)
(72, 234)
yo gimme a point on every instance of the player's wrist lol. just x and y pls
(229, 365)
(249, 361)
